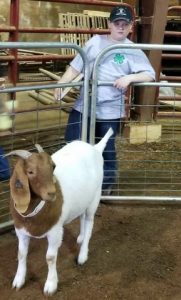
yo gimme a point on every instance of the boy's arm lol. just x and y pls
(68, 76)
(125, 81)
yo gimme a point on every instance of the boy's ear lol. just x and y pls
(19, 187)
(108, 24)
(131, 29)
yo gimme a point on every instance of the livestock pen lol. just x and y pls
(148, 151)
(135, 249)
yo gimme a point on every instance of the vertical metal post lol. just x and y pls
(13, 37)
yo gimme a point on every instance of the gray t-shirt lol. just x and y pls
(113, 65)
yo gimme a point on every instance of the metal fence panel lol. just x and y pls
(146, 170)
(38, 123)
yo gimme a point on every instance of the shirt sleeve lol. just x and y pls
(141, 63)
(77, 62)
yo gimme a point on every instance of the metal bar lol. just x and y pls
(171, 56)
(36, 57)
(170, 84)
(175, 114)
(40, 87)
(142, 198)
(170, 78)
(14, 21)
(29, 45)
(43, 57)
(33, 52)
(62, 30)
(7, 28)
(85, 2)
(6, 224)
(27, 83)
(29, 131)
(157, 84)
(176, 7)
(172, 33)
(174, 98)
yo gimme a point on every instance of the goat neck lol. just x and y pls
(38, 224)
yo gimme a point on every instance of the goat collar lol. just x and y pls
(34, 212)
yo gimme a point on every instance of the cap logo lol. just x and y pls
(121, 11)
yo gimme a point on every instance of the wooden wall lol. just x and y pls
(42, 14)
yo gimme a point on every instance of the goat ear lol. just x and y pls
(19, 187)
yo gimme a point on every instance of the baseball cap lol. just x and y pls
(121, 13)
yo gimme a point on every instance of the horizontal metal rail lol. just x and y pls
(174, 8)
(6, 225)
(86, 2)
(157, 84)
(172, 33)
(142, 198)
(41, 86)
(54, 30)
(46, 57)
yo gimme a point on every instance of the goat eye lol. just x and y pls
(30, 172)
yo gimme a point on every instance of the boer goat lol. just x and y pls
(50, 191)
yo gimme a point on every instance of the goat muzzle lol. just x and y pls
(49, 195)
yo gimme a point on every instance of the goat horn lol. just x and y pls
(22, 153)
(39, 148)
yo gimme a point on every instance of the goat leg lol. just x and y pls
(20, 276)
(83, 253)
(86, 226)
(81, 234)
(54, 242)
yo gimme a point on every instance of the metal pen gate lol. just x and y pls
(39, 133)
(146, 171)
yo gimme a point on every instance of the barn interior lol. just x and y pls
(33, 116)
(141, 243)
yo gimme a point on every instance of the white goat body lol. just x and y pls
(74, 192)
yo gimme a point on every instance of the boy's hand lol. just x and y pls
(123, 82)
(57, 94)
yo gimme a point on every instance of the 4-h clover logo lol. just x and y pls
(119, 58)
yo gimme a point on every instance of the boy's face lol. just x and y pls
(119, 29)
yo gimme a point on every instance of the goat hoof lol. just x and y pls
(50, 288)
(17, 283)
(82, 259)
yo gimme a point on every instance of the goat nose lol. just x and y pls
(51, 196)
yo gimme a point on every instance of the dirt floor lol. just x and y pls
(135, 253)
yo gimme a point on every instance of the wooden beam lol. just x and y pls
(151, 32)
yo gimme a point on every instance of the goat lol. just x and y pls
(48, 192)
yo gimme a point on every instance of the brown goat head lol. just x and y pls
(33, 175)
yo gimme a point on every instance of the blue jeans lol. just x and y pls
(73, 132)
(4, 166)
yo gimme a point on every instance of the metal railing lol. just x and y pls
(39, 45)
(4, 188)
(96, 83)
